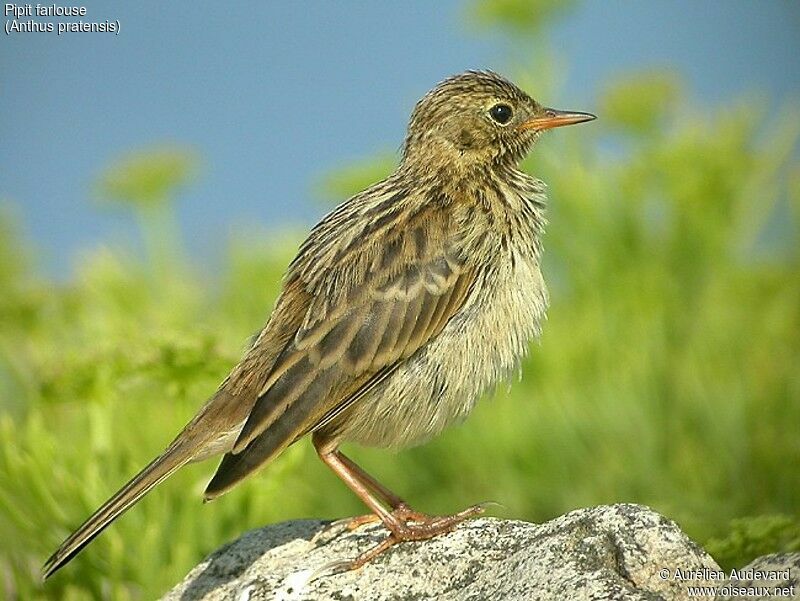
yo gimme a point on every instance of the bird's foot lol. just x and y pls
(407, 525)
(402, 512)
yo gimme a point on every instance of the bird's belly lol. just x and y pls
(440, 383)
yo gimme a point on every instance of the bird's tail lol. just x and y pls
(176, 455)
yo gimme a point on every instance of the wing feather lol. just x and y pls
(413, 284)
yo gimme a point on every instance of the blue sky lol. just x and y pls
(274, 94)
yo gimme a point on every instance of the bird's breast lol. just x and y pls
(481, 345)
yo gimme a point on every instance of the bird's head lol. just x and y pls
(478, 119)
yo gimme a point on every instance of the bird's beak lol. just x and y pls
(550, 118)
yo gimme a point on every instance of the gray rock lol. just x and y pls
(769, 577)
(610, 552)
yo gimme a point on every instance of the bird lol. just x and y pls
(401, 308)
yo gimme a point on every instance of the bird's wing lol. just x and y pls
(390, 287)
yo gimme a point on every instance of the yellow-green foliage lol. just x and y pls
(667, 373)
(754, 537)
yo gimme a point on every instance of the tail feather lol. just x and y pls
(158, 470)
(212, 431)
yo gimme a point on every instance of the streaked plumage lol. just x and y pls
(403, 305)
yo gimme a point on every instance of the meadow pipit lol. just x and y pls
(402, 306)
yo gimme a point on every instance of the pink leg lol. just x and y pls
(403, 523)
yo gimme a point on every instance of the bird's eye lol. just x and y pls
(501, 113)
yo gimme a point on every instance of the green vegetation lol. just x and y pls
(667, 373)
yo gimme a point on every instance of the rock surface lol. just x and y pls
(610, 552)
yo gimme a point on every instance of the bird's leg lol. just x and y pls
(399, 507)
(403, 523)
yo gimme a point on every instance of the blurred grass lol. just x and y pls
(667, 373)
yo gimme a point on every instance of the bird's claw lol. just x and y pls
(414, 526)
(409, 525)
